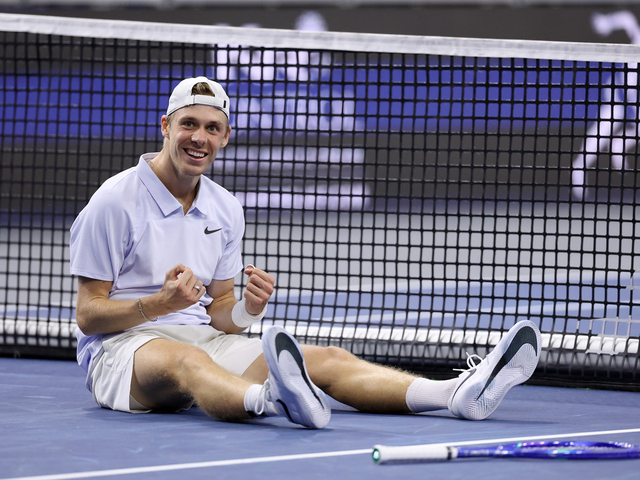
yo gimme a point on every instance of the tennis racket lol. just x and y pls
(567, 450)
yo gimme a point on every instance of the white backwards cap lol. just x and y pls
(182, 97)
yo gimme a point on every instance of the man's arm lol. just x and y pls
(96, 314)
(259, 290)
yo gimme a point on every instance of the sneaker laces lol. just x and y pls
(263, 398)
(473, 361)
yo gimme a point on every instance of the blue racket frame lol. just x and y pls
(557, 449)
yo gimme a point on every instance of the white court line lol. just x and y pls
(302, 456)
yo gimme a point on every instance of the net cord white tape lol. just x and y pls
(275, 38)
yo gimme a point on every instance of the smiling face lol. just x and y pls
(193, 137)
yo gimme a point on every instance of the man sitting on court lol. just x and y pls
(156, 251)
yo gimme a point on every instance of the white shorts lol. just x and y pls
(113, 368)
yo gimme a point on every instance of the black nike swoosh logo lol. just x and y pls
(286, 410)
(526, 336)
(209, 232)
(472, 372)
(284, 343)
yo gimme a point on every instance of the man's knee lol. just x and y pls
(335, 356)
(187, 361)
(326, 363)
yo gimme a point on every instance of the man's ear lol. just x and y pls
(164, 126)
(226, 137)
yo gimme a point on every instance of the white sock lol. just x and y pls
(256, 403)
(426, 395)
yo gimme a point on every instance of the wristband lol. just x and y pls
(142, 313)
(241, 318)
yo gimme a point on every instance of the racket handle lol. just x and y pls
(414, 453)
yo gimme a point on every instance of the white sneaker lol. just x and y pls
(480, 389)
(288, 387)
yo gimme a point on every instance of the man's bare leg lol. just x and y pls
(168, 375)
(368, 387)
(373, 388)
(365, 386)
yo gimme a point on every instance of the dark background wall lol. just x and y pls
(557, 22)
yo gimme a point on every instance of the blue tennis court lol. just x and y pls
(52, 429)
(48, 415)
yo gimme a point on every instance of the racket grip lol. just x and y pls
(413, 453)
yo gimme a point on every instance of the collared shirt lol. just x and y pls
(133, 230)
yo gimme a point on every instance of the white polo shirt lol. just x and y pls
(133, 230)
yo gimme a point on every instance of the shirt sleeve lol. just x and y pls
(100, 237)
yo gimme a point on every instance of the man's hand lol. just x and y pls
(96, 314)
(181, 289)
(260, 287)
(256, 296)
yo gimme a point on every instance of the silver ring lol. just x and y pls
(196, 287)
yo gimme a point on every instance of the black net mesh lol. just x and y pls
(411, 207)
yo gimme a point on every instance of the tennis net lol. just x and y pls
(413, 196)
